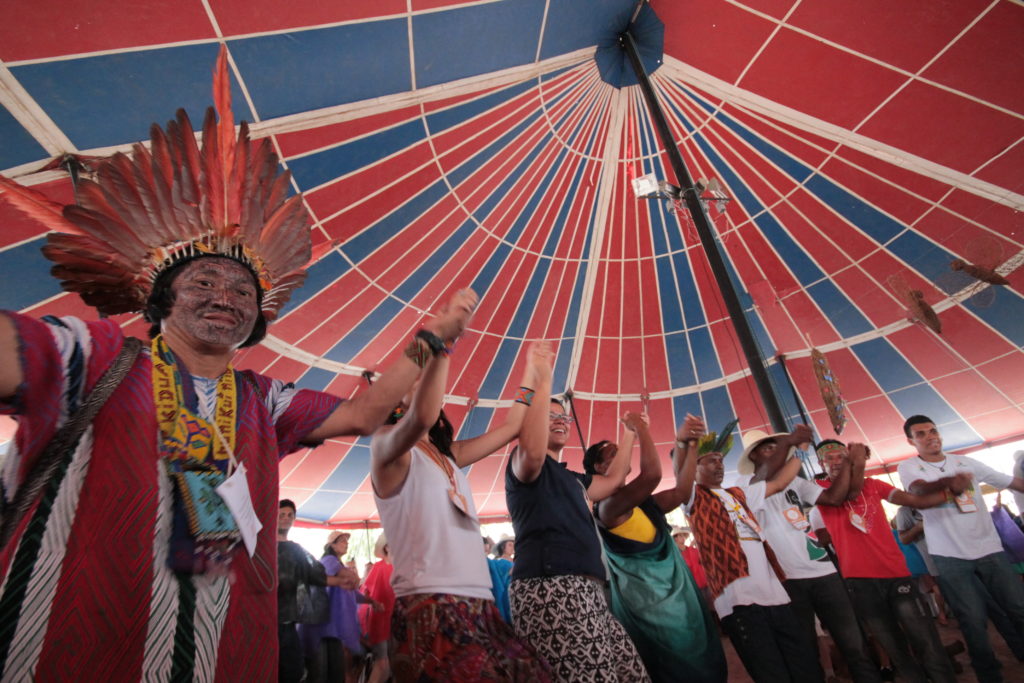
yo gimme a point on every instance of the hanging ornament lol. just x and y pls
(828, 385)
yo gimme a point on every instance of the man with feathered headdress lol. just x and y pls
(139, 494)
(743, 573)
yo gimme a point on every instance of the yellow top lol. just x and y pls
(637, 528)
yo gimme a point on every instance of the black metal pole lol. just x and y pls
(807, 470)
(792, 388)
(707, 240)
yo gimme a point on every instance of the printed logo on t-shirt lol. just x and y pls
(796, 514)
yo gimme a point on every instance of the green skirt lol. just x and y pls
(653, 594)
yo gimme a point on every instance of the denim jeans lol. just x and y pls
(964, 584)
(771, 645)
(896, 615)
(826, 596)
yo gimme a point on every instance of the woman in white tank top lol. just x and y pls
(446, 626)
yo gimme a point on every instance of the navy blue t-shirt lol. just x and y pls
(555, 532)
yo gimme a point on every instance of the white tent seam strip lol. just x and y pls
(856, 141)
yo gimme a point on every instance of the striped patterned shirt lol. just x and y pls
(84, 584)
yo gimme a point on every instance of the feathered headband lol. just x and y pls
(713, 443)
(172, 202)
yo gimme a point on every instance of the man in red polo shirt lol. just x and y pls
(884, 593)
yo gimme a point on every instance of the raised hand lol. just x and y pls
(800, 435)
(454, 316)
(692, 428)
(540, 359)
(634, 421)
(858, 453)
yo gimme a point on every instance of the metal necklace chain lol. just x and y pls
(940, 468)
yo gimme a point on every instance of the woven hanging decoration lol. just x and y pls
(828, 385)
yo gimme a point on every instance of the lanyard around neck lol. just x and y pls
(185, 434)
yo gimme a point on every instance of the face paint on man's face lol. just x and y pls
(214, 302)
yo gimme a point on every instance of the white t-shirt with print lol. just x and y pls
(762, 586)
(786, 528)
(950, 532)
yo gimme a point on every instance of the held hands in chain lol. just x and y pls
(636, 421)
(451, 321)
(692, 428)
(540, 360)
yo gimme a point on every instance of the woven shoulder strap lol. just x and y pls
(65, 440)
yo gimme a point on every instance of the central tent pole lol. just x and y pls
(707, 240)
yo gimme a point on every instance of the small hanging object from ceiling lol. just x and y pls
(711, 191)
(979, 272)
(828, 385)
(649, 187)
(648, 34)
(918, 310)
(977, 267)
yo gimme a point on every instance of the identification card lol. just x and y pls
(795, 516)
(965, 501)
(857, 520)
(235, 492)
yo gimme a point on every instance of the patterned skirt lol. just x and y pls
(566, 619)
(440, 637)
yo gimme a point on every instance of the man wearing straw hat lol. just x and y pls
(743, 573)
(812, 582)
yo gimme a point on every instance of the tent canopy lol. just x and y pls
(441, 144)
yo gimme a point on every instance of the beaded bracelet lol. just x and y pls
(418, 353)
(525, 396)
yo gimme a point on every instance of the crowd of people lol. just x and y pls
(142, 537)
(603, 588)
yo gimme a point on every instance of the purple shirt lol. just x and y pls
(343, 622)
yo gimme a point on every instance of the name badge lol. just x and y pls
(795, 516)
(857, 520)
(235, 492)
(965, 501)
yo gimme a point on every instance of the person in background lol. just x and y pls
(295, 566)
(501, 575)
(1018, 471)
(691, 555)
(910, 526)
(376, 624)
(329, 647)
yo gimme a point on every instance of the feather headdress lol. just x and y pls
(176, 200)
(713, 443)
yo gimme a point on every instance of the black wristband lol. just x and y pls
(435, 343)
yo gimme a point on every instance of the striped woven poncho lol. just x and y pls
(84, 586)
